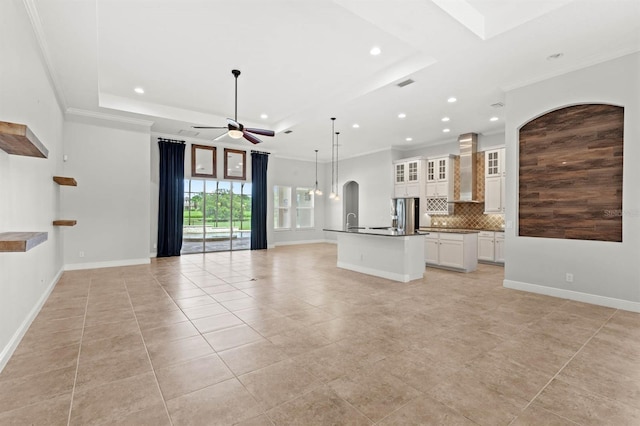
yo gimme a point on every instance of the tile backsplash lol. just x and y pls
(469, 215)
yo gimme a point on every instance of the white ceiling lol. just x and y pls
(304, 61)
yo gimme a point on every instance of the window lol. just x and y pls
(304, 208)
(281, 207)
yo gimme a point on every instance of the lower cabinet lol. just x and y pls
(432, 249)
(491, 246)
(452, 251)
(499, 251)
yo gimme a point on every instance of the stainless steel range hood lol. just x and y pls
(468, 186)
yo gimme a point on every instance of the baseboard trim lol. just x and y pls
(404, 278)
(109, 264)
(594, 299)
(293, 243)
(15, 340)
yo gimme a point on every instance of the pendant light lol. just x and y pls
(316, 190)
(337, 197)
(332, 195)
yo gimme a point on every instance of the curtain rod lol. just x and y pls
(169, 140)
(260, 152)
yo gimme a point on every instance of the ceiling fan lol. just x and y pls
(237, 130)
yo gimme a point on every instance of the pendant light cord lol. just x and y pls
(337, 160)
(333, 122)
(316, 170)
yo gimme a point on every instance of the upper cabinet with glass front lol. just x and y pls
(407, 177)
(439, 177)
(494, 181)
(494, 163)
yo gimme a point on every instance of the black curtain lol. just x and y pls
(259, 162)
(171, 203)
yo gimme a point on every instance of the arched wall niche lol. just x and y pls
(570, 174)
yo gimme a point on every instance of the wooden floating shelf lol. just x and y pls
(21, 241)
(65, 222)
(68, 181)
(17, 139)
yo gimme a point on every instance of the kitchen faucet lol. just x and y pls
(349, 214)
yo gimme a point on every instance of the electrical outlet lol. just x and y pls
(569, 278)
(81, 254)
(155, 246)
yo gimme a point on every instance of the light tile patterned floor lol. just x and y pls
(284, 337)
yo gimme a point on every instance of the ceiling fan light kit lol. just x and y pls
(236, 130)
(235, 134)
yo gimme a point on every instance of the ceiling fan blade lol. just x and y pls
(251, 138)
(234, 123)
(262, 132)
(221, 136)
(207, 127)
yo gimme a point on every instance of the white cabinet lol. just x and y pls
(439, 185)
(493, 188)
(407, 177)
(491, 246)
(486, 246)
(499, 252)
(452, 250)
(439, 177)
(494, 181)
(431, 248)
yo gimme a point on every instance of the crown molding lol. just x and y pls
(36, 24)
(108, 117)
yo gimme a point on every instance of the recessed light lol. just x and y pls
(402, 115)
(451, 100)
(445, 119)
(446, 130)
(264, 116)
(139, 90)
(408, 139)
(375, 51)
(356, 126)
(555, 56)
(494, 119)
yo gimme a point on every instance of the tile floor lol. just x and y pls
(284, 337)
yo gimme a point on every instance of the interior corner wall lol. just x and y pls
(374, 175)
(29, 199)
(111, 163)
(606, 273)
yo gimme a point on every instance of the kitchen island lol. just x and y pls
(383, 253)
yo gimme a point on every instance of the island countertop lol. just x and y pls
(380, 231)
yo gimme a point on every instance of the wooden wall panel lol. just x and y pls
(570, 174)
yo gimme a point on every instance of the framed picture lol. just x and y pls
(203, 161)
(234, 164)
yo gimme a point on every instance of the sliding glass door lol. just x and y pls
(217, 216)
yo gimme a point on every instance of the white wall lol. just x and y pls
(604, 272)
(28, 196)
(374, 175)
(111, 162)
(485, 142)
(296, 173)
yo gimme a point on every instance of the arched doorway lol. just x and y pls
(351, 203)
